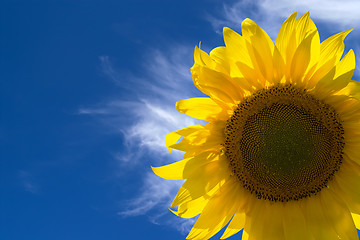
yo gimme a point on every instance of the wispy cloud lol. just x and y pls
(154, 200)
(155, 192)
(340, 14)
(27, 182)
(150, 113)
(108, 69)
(344, 13)
(143, 120)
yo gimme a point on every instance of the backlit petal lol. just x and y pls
(201, 108)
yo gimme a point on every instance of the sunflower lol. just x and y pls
(279, 156)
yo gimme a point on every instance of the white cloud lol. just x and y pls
(270, 15)
(155, 192)
(150, 114)
(108, 69)
(143, 119)
(155, 198)
(345, 12)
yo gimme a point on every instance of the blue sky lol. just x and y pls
(87, 94)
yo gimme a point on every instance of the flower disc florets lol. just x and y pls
(284, 144)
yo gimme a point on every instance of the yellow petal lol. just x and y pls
(260, 49)
(352, 205)
(283, 39)
(172, 171)
(273, 228)
(339, 217)
(244, 83)
(330, 53)
(316, 220)
(211, 143)
(184, 132)
(266, 221)
(203, 59)
(208, 138)
(213, 175)
(292, 33)
(325, 73)
(339, 76)
(346, 65)
(252, 32)
(194, 207)
(216, 214)
(301, 59)
(344, 72)
(245, 235)
(236, 224)
(278, 66)
(349, 182)
(254, 223)
(219, 55)
(348, 108)
(236, 46)
(172, 137)
(185, 168)
(356, 219)
(295, 226)
(201, 108)
(352, 89)
(250, 75)
(304, 27)
(216, 84)
(352, 153)
(333, 47)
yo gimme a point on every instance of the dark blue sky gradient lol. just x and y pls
(59, 178)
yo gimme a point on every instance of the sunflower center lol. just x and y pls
(284, 144)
